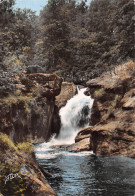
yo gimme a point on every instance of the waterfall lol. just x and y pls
(75, 115)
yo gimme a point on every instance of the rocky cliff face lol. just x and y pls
(113, 114)
(28, 112)
(19, 174)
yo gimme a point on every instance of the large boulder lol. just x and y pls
(47, 85)
(82, 145)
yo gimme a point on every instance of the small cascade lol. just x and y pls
(75, 115)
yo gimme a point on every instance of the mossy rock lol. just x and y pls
(11, 180)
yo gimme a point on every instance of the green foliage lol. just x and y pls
(39, 111)
(15, 186)
(80, 40)
(6, 142)
(17, 92)
(99, 93)
(16, 36)
(16, 98)
(114, 103)
(25, 147)
(85, 42)
(6, 11)
(55, 31)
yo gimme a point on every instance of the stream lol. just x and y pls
(83, 173)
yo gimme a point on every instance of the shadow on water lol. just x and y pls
(76, 174)
(111, 176)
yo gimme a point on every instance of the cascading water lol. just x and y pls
(74, 116)
(82, 173)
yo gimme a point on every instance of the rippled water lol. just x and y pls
(84, 174)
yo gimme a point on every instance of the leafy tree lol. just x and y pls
(55, 29)
(74, 39)
(6, 12)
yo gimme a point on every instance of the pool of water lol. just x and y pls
(84, 174)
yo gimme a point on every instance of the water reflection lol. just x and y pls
(75, 174)
(112, 175)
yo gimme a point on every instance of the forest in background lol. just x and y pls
(72, 39)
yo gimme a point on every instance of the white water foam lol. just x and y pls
(75, 115)
(53, 154)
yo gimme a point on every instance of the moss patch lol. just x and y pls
(114, 102)
(99, 93)
(6, 142)
(11, 180)
(25, 147)
(15, 98)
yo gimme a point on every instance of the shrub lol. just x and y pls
(17, 92)
(25, 147)
(9, 100)
(39, 111)
(16, 97)
(113, 104)
(5, 142)
(99, 93)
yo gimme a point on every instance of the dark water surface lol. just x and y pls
(84, 174)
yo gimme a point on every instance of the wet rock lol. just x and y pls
(82, 145)
(46, 173)
(82, 142)
(83, 134)
(115, 137)
(116, 81)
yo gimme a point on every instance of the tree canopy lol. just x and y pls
(76, 40)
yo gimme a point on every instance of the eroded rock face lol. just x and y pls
(113, 113)
(115, 137)
(83, 134)
(30, 113)
(47, 85)
(68, 90)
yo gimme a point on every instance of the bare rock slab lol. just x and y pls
(82, 145)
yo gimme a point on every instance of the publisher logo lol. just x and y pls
(11, 176)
